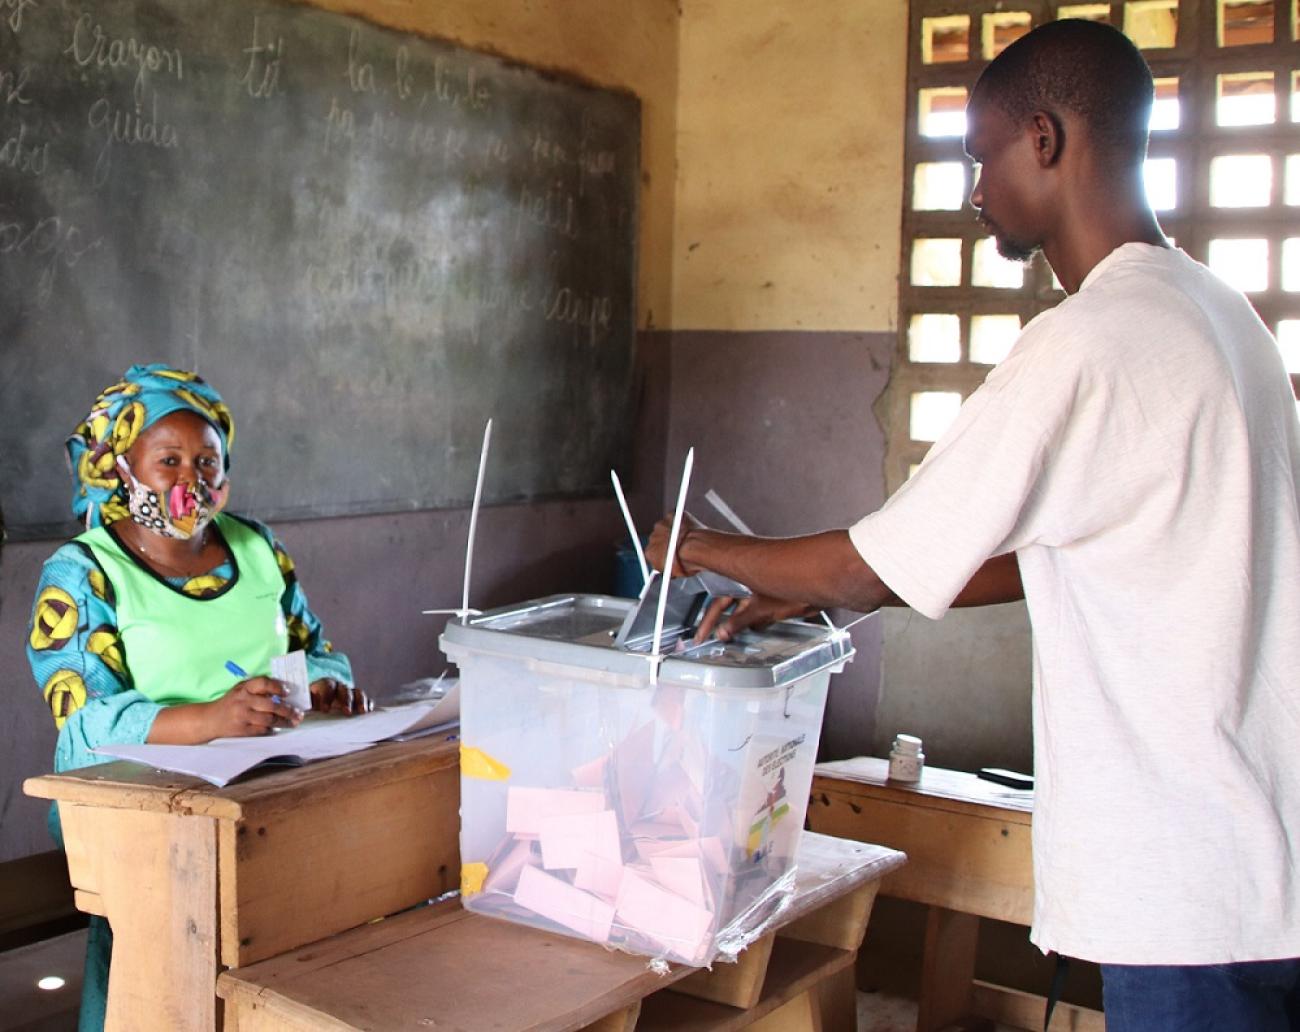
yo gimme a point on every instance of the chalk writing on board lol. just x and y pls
(261, 76)
(59, 245)
(368, 240)
(91, 45)
(118, 125)
(13, 10)
(12, 85)
(20, 153)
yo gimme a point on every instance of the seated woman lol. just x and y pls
(139, 621)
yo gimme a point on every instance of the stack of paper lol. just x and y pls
(318, 737)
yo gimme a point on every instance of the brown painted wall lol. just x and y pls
(783, 430)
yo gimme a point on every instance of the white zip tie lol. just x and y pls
(473, 518)
(727, 513)
(669, 559)
(631, 529)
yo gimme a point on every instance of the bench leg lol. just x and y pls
(947, 969)
(798, 1015)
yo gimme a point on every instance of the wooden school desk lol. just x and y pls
(443, 967)
(968, 848)
(195, 878)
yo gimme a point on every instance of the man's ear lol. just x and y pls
(1048, 138)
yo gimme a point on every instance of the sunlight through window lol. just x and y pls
(932, 337)
(1242, 263)
(932, 414)
(991, 337)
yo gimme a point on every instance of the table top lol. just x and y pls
(936, 783)
(443, 965)
(122, 784)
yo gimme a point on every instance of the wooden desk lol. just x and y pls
(969, 856)
(443, 967)
(194, 878)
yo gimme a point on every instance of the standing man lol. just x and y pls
(1132, 468)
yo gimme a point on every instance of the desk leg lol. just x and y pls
(947, 969)
(156, 878)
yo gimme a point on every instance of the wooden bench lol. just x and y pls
(443, 967)
(969, 856)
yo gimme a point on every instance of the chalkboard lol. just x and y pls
(368, 241)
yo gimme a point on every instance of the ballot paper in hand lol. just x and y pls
(291, 668)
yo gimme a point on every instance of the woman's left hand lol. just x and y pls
(331, 696)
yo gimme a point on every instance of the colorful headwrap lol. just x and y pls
(144, 395)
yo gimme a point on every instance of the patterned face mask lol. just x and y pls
(183, 512)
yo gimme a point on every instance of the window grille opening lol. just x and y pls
(1165, 112)
(936, 262)
(942, 111)
(934, 337)
(1161, 178)
(1242, 262)
(1246, 98)
(1291, 265)
(945, 39)
(939, 186)
(1152, 24)
(932, 414)
(1088, 12)
(1000, 29)
(1241, 181)
(1245, 22)
(991, 337)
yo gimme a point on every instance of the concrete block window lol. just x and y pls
(1222, 173)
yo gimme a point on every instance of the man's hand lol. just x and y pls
(656, 553)
(754, 611)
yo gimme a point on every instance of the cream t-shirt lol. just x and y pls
(1139, 451)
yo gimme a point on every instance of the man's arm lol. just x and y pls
(822, 570)
(997, 581)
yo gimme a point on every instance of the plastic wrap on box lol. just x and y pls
(662, 819)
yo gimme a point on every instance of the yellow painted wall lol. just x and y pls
(629, 44)
(789, 164)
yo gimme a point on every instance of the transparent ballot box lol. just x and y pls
(655, 813)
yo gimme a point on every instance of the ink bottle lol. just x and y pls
(906, 759)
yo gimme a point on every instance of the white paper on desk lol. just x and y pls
(445, 714)
(320, 738)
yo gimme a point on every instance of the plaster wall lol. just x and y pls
(790, 157)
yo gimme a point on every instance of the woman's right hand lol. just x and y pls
(251, 707)
(246, 710)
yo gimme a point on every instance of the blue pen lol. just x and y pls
(239, 672)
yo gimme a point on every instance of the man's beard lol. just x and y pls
(1013, 250)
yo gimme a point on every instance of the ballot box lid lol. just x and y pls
(583, 631)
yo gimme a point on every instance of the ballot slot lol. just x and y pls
(657, 817)
(688, 598)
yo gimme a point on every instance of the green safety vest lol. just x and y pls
(176, 647)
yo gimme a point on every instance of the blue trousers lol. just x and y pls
(1259, 996)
